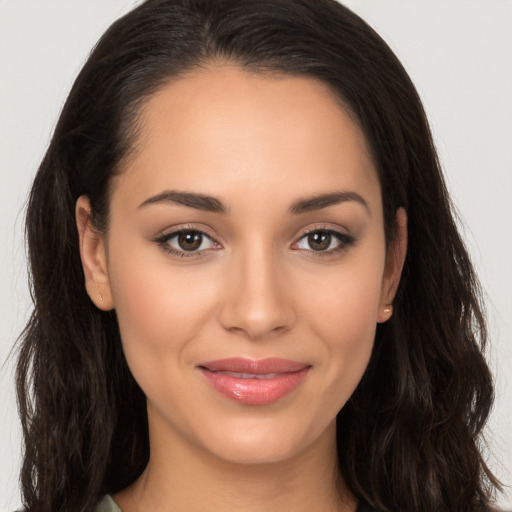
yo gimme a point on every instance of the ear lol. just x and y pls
(395, 258)
(94, 257)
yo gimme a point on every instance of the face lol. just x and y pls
(246, 261)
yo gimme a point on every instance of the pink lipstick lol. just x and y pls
(254, 382)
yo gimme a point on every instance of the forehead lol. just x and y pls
(224, 129)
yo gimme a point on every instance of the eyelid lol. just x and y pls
(345, 239)
(163, 239)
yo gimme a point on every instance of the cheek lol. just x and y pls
(160, 311)
(342, 310)
(159, 308)
(345, 304)
(350, 333)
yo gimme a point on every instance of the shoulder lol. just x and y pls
(107, 504)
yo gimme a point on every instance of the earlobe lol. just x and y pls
(395, 259)
(94, 257)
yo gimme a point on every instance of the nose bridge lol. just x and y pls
(257, 303)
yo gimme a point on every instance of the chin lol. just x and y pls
(258, 444)
(255, 453)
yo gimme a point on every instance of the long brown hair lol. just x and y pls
(409, 438)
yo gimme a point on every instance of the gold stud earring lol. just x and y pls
(101, 297)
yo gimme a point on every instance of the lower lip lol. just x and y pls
(255, 391)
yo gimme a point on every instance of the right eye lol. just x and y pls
(186, 242)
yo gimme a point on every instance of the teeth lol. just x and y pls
(249, 375)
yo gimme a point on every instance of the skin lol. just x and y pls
(257, 288)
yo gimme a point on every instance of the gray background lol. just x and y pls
(458, 53)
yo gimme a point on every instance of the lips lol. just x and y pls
(253, 382)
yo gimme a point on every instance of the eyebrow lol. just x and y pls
(214, 205)
(190, 199)
(318, 202)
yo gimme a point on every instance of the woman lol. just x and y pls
(249, 288)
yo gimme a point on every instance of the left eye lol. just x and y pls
(323, 241)
(187, 241)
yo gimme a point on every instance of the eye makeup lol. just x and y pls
(324, 241)
(188, 241)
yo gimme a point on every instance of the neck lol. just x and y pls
(181, 476)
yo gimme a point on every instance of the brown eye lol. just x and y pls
(187, 242)
(319, 241)
(190, 240)
(325, 241)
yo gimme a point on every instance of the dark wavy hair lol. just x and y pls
(410, 436)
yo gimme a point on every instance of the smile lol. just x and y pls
(251, 375)
(254, 382)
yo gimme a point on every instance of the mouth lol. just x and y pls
(253, 382)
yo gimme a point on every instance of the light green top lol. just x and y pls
(107, 504)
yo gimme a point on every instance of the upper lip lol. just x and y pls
(256, 367)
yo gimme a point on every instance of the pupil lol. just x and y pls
(190, 241)
(319, 241)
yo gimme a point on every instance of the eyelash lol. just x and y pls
(345, 241)
(163, 242)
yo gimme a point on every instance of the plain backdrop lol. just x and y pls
(458, 53)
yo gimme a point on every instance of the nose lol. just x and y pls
(257, 303)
